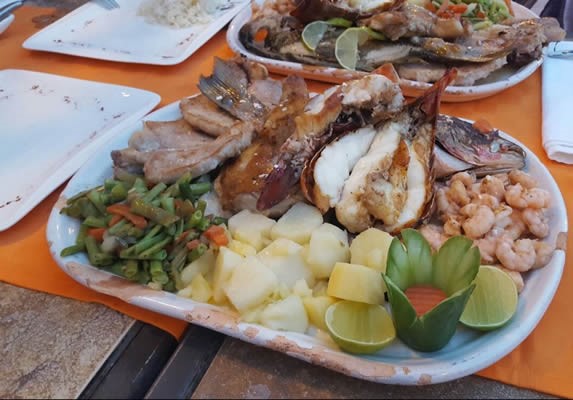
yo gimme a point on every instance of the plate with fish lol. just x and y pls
(259, 209)
(494, 44)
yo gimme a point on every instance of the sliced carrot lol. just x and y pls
(114, 220)
(124, 211)
(424, 298)
(261, 35)
(443, 7)
(509, 7)
(193, 244)
(480, 14)
(483, 126)
(459, 8)
(181, 237)
(96, 233)
(216, 234)
(431, 7)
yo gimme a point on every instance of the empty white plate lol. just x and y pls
(5, 23)
(50, 126)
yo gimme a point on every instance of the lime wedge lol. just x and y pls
(313, 33)
(346, 48)
(358, 327)
(493, 302)
(340, 22)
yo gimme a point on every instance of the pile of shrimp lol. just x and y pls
(505, 216)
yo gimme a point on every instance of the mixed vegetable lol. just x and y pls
(482, 13)
(145, 233)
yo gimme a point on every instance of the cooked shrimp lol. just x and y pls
(480, 221)
(503, 216)
(493, 186)
(452, 227)
(543, 253)
(467, 179)
(517, 227)
(434, 235)
(536, 222)
(487, 247)
(445, 206)
(524, 179)
(537, 198)
(517, 197)
(517, 256)
(458, 193)
(484, 199)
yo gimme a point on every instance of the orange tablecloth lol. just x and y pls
(543, 362)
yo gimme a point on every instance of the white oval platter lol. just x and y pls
(467, 353)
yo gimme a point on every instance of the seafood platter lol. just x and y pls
(494, 44)
(351, 229)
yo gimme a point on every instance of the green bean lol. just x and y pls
(94, 222)
(172, 229)
(139, 186)
(117, 228)
(195, 219)
(178, 261)
(155, 214)
(73, 210)
(80, 239)
(130, 269)
(180, 227)
(118, 193)
(219, 221)
(160, 255)
(73, 199)
(185, 209)
(157, 273)
(202, 205)
(154, 192)
(143, 245)
(168, 204)
(92, 249)
(87, 208)
(115, 268)
(197, 252)
(204, 224)
(144, 277)
(200, 188)
(124, 176)
(109, 184)
(156, 248)
(169, 286)
(102, 259)
(97, 200)
(74, 249)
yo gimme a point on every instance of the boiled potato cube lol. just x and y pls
(253, 315)
(328, 245)
(284, 257)
(225, 263)
(297, 223)
(316, 309)
(185, 292)
(301, 289)
(251, 228)
(286, 315)
(200, 289)
(370, 248)
(202, 265)
(356, 283)
(250, 284)
(241, 248)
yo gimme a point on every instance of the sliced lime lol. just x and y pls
(493, 302)
(346, 48)
(359, 328)
(313, 33)
(340, 22)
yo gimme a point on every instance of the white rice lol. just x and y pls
(179, 13)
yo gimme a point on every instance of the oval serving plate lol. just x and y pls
(497, 82)
(467, 353)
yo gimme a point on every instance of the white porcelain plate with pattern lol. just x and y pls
(467, 353)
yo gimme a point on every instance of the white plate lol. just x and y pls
(6, 22)
(497, 82)
(121, 35)
(50, 126)
(467, 353)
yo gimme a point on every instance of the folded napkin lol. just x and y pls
(557, 104)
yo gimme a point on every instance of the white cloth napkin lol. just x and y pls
(557, 105)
